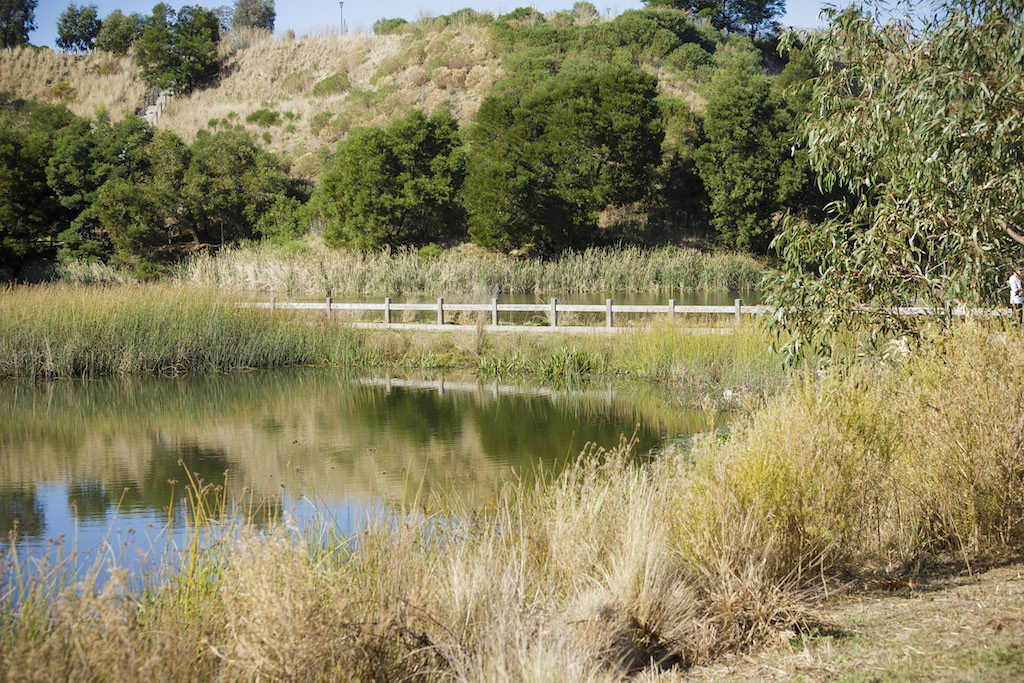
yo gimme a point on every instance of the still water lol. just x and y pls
(99, 462)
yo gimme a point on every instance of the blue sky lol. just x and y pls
(310, 15)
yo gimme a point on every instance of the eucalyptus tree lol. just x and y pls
(920, 124)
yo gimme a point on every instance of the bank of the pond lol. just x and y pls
(883, 472)
(63, 331)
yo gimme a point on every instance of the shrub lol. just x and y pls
(264, 117)
(332, 85)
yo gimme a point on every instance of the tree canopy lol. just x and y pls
(396, 186)
(17, 20)
(258, 14)
(753, 16)
(179, 51)
(543, 164)
(118, 31)
(77, 28)
(920, 124)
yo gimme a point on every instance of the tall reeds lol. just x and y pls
(61, 331)
(310, 269)
(87, 331)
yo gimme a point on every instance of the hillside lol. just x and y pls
(300, 95)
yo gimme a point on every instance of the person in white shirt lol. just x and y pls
(1016, 293)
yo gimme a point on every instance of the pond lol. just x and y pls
(99, 463)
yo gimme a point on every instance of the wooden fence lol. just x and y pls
(552, 310)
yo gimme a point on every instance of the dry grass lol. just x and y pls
(82, 82)
(311, 269)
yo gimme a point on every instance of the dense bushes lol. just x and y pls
(396, 186)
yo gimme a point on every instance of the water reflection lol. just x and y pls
(86, 457)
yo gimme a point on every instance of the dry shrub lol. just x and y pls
(877, 465)
(416, 76)
(351, 59)
(446, 78)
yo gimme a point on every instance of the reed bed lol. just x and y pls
(61, 331)
(615, 569)
(312, 269)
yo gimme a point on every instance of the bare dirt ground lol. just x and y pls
(948, 626)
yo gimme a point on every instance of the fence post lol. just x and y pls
(440, 310)
(671, 309)
(329, 312)
(387, 310)
(554, 313)
(494, 311)
(608, 312)
(739, 311)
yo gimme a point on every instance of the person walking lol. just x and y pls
(1016, 285)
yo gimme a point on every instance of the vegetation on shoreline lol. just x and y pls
(141, 329)
(611, 570)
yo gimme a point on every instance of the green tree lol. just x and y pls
(179, 51)
(258, 14)
(17, 20)
(118, 32)
(229, 184)
(395, 186)
(542, 165)
(746, 163)
(28, 208)
(88, 154)
(919, 122)
(756, 17)
(78, 27)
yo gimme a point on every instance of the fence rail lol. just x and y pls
(553, 309)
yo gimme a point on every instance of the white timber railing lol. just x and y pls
(553, 309)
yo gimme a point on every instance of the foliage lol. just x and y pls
(746, 163)
(17, 20)
(918, 122)
(383, 27)
(87, 154)
(28, 209)
(755, 16)
(395, 186)
(77, 28)
(179, 51)
(258, 14)
(230, 181)
(542, 165)
(332, 85)
(118, 31)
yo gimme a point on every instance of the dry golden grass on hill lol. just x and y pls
(82, 82)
